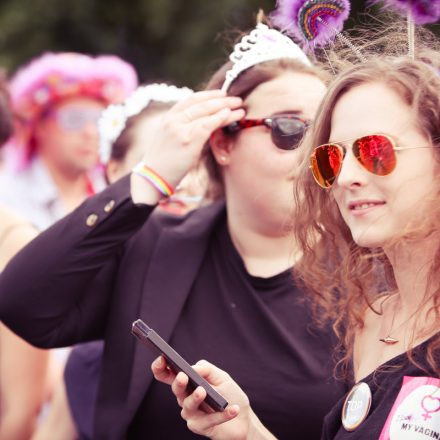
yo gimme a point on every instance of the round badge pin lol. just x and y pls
(356, 406)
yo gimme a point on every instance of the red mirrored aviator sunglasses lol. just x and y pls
(287, 130)
(375, 152)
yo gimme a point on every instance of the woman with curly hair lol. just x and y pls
(369, 189)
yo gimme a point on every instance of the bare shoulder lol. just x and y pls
(15, 233)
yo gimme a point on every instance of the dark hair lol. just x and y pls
(243, 86)
(5, 111)
(123, 143)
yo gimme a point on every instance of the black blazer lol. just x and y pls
(92, 274)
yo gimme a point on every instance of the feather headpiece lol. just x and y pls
(417, 12)
(313, 22)
(421, 11)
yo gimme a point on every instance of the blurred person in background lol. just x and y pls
(23, 368)
(52, 158)
(123, 129)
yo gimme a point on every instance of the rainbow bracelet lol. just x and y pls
(161, 185)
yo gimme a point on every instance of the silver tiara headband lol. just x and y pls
(262, 44)
(114, 118)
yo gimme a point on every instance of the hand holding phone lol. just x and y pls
(149, 337)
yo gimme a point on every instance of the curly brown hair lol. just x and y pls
(345, 279)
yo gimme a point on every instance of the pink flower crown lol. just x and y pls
(56, 76)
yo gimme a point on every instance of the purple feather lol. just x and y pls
(312, 22)
(422, 11)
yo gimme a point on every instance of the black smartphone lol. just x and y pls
(176, 362)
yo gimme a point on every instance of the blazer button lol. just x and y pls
(109, 206)
(91, 220)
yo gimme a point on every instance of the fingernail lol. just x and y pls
(233, 410)
(198, 392)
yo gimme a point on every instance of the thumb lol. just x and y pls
(214, 375)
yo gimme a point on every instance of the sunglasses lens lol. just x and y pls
(287, 132)
(375, 153)
(326, 162)
(75, 119)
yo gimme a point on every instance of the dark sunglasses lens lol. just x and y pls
(287, 133)
(375, 153)
(326, 162)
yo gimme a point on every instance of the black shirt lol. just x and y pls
(258, 330)
(398, 388)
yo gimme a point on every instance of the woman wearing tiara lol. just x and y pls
(216, 283)
(372, 167)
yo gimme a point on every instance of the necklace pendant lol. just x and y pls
(389, 340)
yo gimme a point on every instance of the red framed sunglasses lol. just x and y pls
(286, 130)
(375, 152)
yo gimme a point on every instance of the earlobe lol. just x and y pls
(220, 147)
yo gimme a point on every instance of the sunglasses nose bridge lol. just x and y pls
(268, 122)
(351, 170)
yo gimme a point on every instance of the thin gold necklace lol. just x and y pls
(389, 340)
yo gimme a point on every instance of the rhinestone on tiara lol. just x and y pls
(114, 118)
(262, 44)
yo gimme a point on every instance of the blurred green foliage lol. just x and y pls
(176, 40)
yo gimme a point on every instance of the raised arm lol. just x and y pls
(56, 290)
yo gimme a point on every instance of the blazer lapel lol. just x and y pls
(175, 264)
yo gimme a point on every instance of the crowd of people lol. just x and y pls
(279, 229)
